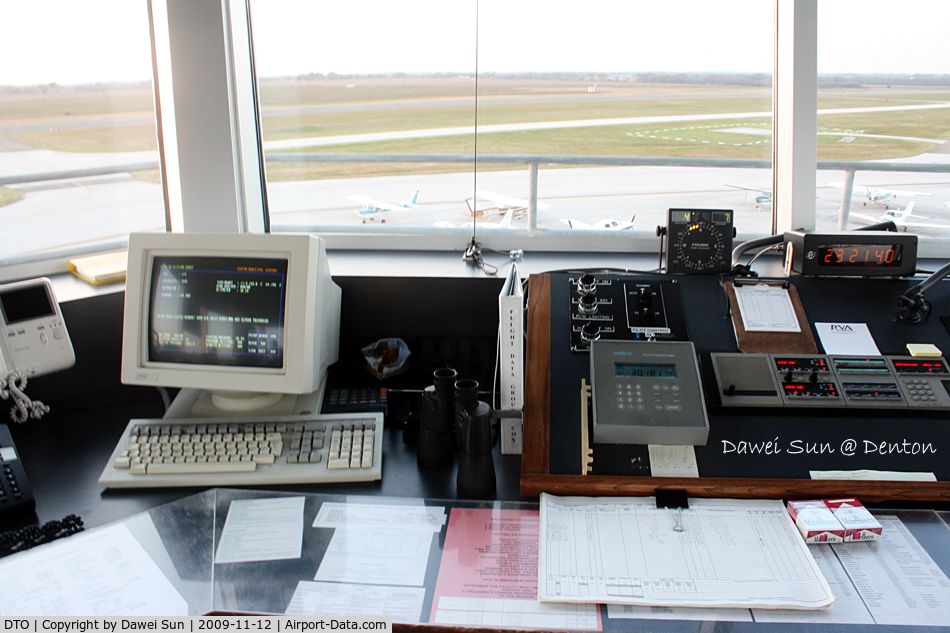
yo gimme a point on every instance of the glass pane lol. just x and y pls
(884, 98)
(342, 84)
(620, 81)
(75, 95)
(368, 87)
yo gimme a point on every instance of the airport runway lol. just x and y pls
(86, 210)
(83, 211)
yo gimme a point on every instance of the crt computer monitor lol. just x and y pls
(247, 317)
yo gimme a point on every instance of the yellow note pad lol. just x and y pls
(923, 349)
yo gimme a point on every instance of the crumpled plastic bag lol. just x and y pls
(387, 357)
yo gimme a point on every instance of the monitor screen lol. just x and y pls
(236, 313)
(217, 310)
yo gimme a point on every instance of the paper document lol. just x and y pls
(766, 308)
(105, 572)
(635, 612)
(733, 553)
(332, 514)
(377, 543)
(898, 580)
(673, 461)
(891, 581)
(847, 339)
(262, 529)
(488, 575)
(319, 599)
(848, 608)
(872, 475)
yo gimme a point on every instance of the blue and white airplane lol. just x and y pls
(371, 207)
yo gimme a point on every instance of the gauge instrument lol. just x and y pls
(700, 241)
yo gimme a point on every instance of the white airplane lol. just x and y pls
(488, 203)
(371, 207)
(902, 218)
(764, 197)
(878, 196)
(600, 225)
(504, 223)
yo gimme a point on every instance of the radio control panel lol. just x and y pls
(624, 307)
(816, 380)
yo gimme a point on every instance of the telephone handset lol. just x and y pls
(33, 340)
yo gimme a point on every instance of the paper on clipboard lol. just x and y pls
(766, 308)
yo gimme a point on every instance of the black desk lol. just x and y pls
(64, 454)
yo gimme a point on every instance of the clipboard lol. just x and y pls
(802, 342)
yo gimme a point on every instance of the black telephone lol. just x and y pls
(15, 493)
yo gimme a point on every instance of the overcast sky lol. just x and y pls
(67, 41)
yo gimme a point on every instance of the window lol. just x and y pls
(78, 160)
(369, 113)
(883, 96)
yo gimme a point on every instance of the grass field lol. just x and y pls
(8, 195)
(330, 108)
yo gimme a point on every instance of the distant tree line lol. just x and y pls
(98, 86)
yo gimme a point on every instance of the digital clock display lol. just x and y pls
(873, 255)
(644, 370)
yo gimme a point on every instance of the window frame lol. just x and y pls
(215, 180)
(794, 109)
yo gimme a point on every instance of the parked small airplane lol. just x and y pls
(878, 196)
(764, 197)
(600, 225)
(902, 218)
(371, 207)
(488, 203)
(504, 223)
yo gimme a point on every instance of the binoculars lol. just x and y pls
(453, 417)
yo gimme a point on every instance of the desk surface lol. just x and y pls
(475, 568)
(64, 454)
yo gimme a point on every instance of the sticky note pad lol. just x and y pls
(923, 349)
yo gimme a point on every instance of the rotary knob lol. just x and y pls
(587, 284)
(645, 297)
(590, 332)
(587, 304)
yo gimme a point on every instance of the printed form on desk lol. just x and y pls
(622, 550)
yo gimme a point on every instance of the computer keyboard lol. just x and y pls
(242, 451)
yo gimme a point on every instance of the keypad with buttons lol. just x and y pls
(15, 493)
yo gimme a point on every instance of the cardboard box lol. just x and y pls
(859, 524)
(816, 522)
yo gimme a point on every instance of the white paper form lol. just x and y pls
(317, 599)
(848, 608)
(872, 475)
(766, 308)
(847, 339)
(105, 572)
(636, 612)
(517, 614)
(378, 544)
(332, 514)
(673, 461)
(733, 553)
(262, 529)
(897, 578)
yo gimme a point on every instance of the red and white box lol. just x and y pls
(816, 522)
(859, 524)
